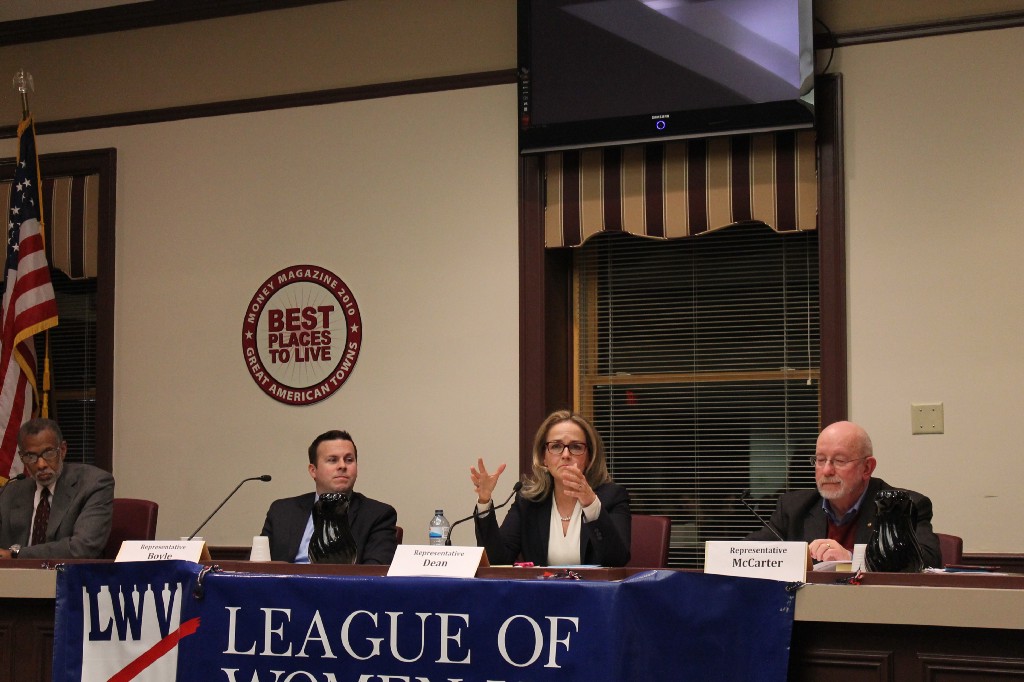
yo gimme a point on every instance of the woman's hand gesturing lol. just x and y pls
(484, 482)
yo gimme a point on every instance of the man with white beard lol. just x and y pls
(840, 512)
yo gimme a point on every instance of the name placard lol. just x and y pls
(161, 550)
(786, 561)
(857, 563)
(433, 560)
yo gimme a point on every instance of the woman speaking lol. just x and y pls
(569, 512)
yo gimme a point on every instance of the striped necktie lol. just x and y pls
(42, 517)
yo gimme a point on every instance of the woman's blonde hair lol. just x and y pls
(540, 484)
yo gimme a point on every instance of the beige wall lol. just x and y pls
(304, 49)
(935, 167)
(412, 201)
(843, 16)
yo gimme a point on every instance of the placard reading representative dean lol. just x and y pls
(301, 335)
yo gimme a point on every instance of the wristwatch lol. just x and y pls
(15, 550)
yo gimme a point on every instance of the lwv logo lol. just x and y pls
(132, 631)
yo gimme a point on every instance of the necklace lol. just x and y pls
(565, 519)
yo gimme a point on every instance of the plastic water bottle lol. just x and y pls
(439, 528)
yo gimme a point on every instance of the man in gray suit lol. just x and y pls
(60, 510)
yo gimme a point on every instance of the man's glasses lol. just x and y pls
(820, 462)
(576, 448)
(49, 455)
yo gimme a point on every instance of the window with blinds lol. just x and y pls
(698, 360)
(73, 351)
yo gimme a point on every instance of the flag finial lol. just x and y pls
(23, 84)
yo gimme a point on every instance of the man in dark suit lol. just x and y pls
(333, 465)
(840, 512)
(60, 510)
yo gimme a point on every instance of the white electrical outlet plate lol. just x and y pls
(926, 418)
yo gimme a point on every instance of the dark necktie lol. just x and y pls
(42, 517)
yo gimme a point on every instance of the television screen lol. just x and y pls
(596, 72)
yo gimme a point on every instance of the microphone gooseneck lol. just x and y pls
(264, 478)
(515, 489)
(743, 499)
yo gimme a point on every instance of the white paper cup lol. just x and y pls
(260, 548)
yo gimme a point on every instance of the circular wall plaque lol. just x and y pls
(301, 335)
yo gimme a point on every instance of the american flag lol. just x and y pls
(29, 306)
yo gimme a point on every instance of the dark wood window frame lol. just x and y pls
(101, 162)
(545, 284)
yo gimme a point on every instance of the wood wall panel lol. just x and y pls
(26, 640)
(6, 647)
(841, 665)
(876, 652)
(941, 668)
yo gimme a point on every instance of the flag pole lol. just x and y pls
(23, 83)
(29, 305)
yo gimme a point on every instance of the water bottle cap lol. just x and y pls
(438, 512)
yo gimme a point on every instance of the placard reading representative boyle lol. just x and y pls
(301, 334)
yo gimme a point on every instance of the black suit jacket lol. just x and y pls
(80, 514)
(527, 528)
(798, 516)
(372, 522)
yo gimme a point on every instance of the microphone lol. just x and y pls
(516, 488)
(743, 499)
(264, 478)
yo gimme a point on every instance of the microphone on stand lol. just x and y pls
(515, 489)
(743, 499)
(264, 478)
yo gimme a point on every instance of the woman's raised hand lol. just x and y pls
(484, 482)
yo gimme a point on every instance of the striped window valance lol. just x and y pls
(682, 188)
(71, 214)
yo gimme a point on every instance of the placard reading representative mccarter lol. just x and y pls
(747, 561)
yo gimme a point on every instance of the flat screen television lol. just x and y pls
(599, 72)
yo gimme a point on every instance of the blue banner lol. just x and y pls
(164, 621)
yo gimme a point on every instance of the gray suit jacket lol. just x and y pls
(80, 514)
